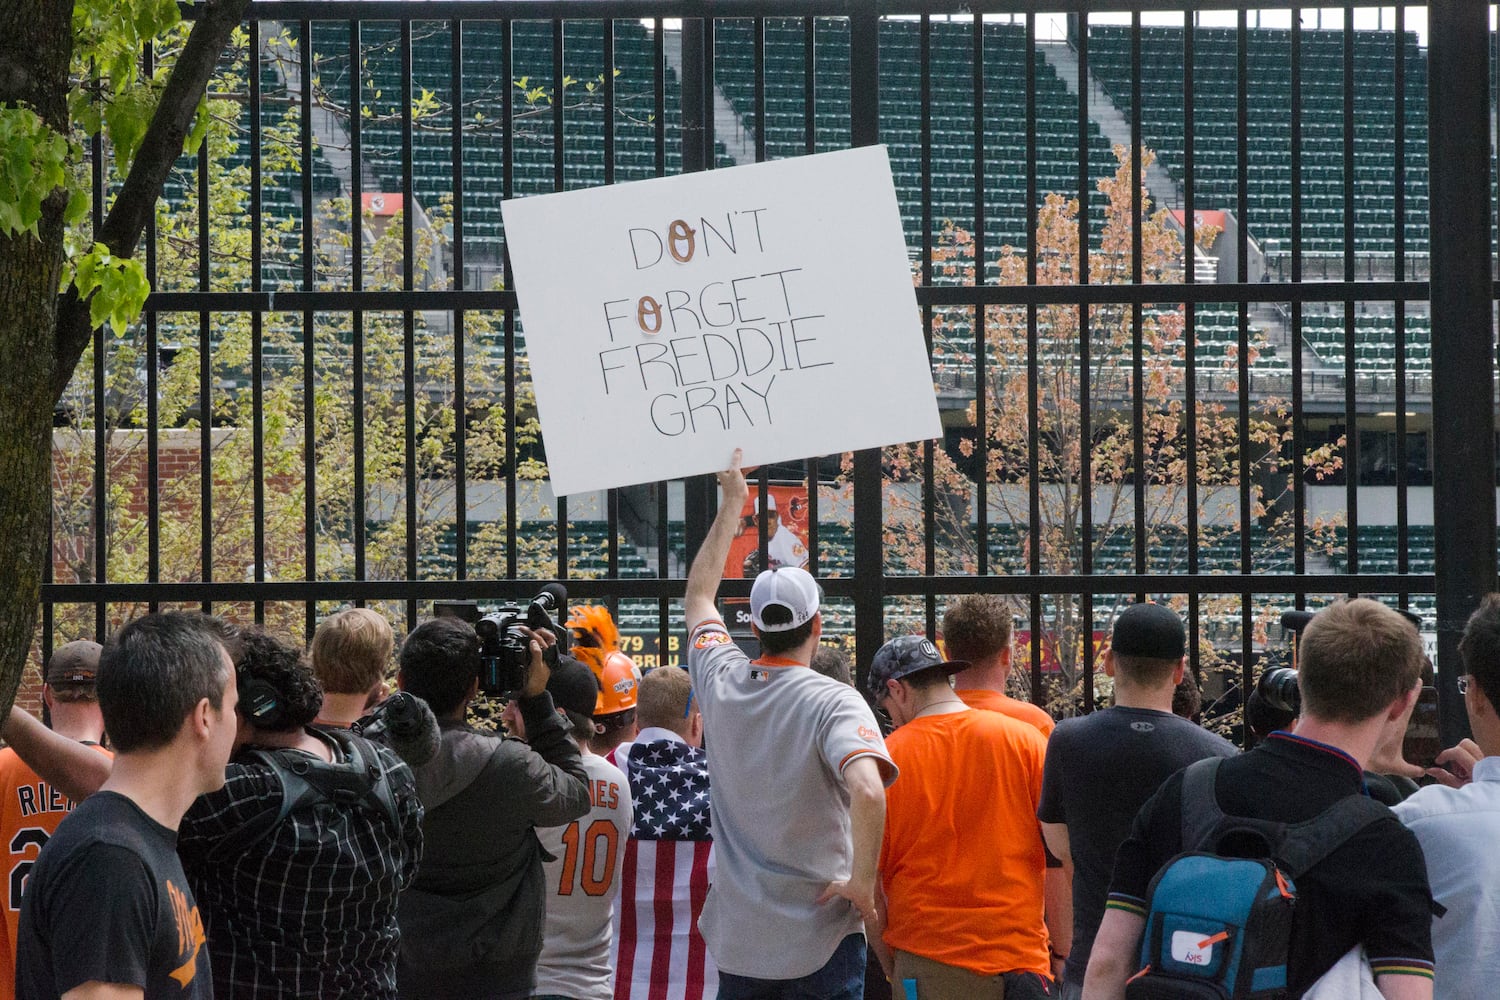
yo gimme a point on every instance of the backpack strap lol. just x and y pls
(1201, 814)
(1305, 844)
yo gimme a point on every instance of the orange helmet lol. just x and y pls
(617, 684)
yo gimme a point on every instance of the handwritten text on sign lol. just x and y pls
(715, 348)
(759, 307)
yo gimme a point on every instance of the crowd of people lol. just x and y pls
(256, 820)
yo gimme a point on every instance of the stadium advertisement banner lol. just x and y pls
(767, 307)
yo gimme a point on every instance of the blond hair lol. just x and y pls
(662, 699)
(351, 651)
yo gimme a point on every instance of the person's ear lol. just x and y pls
(47, 696)
(1180, 672)
(1404, 704)
(200, 719)
(1109, 662)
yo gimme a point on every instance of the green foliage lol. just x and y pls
(33, 164)
(120, 283)
(115, 92)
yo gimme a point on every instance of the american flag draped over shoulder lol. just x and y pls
(659, 953)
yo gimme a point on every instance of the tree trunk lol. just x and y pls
(42, 333)
(34, 53)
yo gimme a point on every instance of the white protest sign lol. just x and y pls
(768, 307)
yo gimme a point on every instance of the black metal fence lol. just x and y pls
(1253, 402)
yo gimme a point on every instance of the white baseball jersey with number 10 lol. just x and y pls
(582, 883)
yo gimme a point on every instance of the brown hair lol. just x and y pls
(351, 651)
(1147, 671)
(976, 627)
(776, 643)
(1355, 658)
(662, 699)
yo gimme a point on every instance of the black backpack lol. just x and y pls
(358, 779)
(1219, 918)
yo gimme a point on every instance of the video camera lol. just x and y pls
(504, 645)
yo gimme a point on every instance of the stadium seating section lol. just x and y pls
(1345, 161)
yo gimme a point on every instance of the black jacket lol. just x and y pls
(471, 922)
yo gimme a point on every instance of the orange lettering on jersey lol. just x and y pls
(604, 794)
(190, 936)
(711, 639)
(867, 734)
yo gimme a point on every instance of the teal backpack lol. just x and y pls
(1219, 920)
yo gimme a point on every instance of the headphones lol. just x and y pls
(260, 702)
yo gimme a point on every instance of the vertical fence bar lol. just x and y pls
(1137, 273)
(257, 325)
(981, 331)
(1463, 363)
(508, 185)
(1299, 421)
(1351, 380)
(1033, 375)
(309, 349)
(1398, 264)
(1190, 325)
(869, 549)
(357, 282)
(408, 317)
(700, 493)
(1242, 272)
(460, 355)
(1085, 378)
(205, 379)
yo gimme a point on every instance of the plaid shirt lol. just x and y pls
(310, 910)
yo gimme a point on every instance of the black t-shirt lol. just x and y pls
(1373, 890)
(1100, 770)
(108, 902)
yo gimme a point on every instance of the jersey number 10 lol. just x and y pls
(602, 835)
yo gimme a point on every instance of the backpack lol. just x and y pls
(357, 780)
(1219, 916)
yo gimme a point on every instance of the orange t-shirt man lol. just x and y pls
(962, 860)
(994, 701)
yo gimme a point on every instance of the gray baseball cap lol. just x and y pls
(905, 656)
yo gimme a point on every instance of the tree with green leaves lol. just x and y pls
(75, 73)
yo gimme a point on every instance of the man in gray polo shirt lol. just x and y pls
(798, 798)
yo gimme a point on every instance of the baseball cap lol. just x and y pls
(904, 656)
(573, 687)
(787, 587)
(74, 663)
(1149, 630)
(770, 503)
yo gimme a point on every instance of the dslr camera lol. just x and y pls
(505, 646)
(1277, 687)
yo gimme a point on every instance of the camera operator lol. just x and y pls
(471, 922)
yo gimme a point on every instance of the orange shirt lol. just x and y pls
(962, 860)
(30, 810)
(994, 701)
